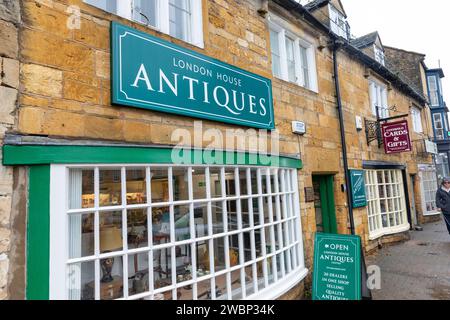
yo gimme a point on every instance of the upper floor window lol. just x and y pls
(438, 126)
(417, 120)
(379, 55)
(337, 22)
(378, 99)
(434, 92)
(293, 59)
(181, 19)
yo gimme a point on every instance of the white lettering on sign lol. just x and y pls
(239, 103)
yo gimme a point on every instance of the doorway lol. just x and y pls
(324, 204)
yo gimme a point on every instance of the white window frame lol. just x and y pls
(284, 221)
(416, 119)
(310, 57)
(125, 10)
(378, 95)
(396, 200)
(428, 186)
(440, 132)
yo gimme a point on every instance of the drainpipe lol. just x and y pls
(336, 44)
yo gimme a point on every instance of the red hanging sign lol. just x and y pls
(396, 137)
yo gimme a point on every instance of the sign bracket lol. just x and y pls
(373, 128)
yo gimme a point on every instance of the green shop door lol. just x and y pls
(324, 204)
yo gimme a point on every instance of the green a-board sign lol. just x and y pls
(337, 267)
(358, 186)
(154, 74)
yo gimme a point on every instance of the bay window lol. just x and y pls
(182, 19)
(386, 207)
(163, 232)
(293, 58)
(434, 92)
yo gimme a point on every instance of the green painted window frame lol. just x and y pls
(39, 159)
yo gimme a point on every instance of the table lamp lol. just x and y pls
(110, 240)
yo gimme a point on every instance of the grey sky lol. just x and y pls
(413, 25)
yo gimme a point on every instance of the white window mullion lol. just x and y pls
(278, 214)
(124, 232)
(225, 228)
(97, 232)
(285, 216)
(212, 268)
(193, 235)
(271, 227)
(291, 222)
(298, 225)
(261, 219)
(163, 17)
(148, 188)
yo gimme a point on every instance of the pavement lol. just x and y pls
(418, 269)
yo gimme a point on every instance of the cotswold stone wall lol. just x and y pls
(9, 85)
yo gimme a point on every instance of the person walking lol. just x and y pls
(443, 200)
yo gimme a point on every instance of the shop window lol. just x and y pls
(182, 19)
(386, 207)
(429, 185)
(378, 99)
(176, 232)
(293, 58)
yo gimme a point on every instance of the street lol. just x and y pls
(415, 270)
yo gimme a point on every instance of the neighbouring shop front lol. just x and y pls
(387, 198)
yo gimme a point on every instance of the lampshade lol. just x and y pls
(110, 239)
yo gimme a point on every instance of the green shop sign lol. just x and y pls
(154, 74)
(358, 186)
(337, 267)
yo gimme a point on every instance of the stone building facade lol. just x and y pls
(56, 95)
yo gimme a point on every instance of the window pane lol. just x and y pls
(180, 19)
(198, 183)
(138, 271)
(137, 228)
(180, 178)
(81, 188)
(107, 5)
(182, 223)
(111, 284)
(136, 186)
(305, 66)
(110, 231)
(275, 47)
(110, 187)
(81, 235)
(162, 268)
(290, 60)
(215, 184)
(81, 284)
(144, 11)
(161, 225)
(159, 185)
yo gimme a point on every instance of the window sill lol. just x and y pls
(390, 231)
(295, 85)
(431, 213)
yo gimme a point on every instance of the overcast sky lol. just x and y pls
(413, 25)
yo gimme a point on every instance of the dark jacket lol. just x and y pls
(443, 200)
